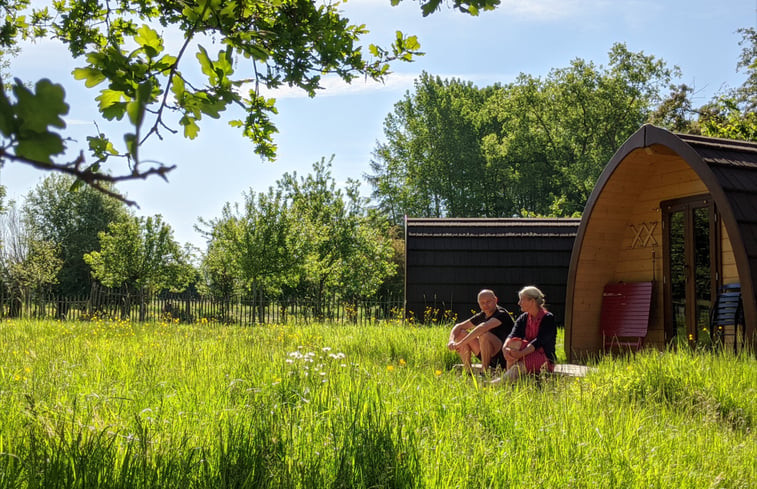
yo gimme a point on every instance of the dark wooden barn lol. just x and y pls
(679, 211)
(447, 261)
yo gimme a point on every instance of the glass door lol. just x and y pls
(690, 240)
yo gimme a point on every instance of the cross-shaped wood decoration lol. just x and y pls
(643, 235)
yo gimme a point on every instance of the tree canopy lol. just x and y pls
(306, 237)
(141, 254)
(534, 146)
(733, 114)
(27, 262)
(70, 221)
(228, 51)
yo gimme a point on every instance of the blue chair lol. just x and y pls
(727, 317)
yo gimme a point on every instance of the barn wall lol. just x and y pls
(445, 268)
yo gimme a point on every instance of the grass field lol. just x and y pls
(109, 404)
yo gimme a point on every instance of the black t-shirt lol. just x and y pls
(500, 331)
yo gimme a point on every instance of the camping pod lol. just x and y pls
(679, 211)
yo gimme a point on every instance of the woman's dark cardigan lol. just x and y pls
(545, 338)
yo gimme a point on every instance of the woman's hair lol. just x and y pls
(532, 293)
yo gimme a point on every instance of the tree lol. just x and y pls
(249, 249)
(340, 250)
(239, 47)
(70, 220)
(573, 121)
(674, 112)
(305, 236)
(535, 146)
(733, 114)
(432, 163)
(140, 255)
(222, 274)
(28, 265)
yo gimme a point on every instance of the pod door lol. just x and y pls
(691, 268)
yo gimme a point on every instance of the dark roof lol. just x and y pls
(492, 227)
(728, 152)
(734, 165)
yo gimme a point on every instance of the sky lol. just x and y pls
(345, 121)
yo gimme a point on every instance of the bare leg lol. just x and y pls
(511, 344)
(513, 373)
(466, 351)
(490, 345)
(465, 354)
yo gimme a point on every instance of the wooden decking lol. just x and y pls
(564, 369)
(571, 370)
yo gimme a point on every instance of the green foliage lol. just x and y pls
(230, 50)
(471, 7)
(70, 219)
(39, 267)
(110, 404)
(27, 263)
(432, 163)
(733, 114)
(674, 112)
(535, 146)
(141, 254)
(251, 249)
(305, 237)
(342, 251)
(26, 124)
(725, 118)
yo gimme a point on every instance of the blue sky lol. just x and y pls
(521, 36)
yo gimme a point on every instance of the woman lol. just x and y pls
(530, 346)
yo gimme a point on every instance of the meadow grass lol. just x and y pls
(112, 404)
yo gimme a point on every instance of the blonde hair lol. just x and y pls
(534, 293)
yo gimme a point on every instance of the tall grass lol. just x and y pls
(110, 404)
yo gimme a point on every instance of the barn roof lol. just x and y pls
(492, 227)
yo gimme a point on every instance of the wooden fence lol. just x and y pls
(193, 308)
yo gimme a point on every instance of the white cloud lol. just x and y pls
(78, 122)
(334, 86)
(395, 82)
(544, 9)
(532, 10)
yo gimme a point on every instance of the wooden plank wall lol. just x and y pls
(444, 273)
(730, 272)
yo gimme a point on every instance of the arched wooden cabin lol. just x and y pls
(679, 211)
